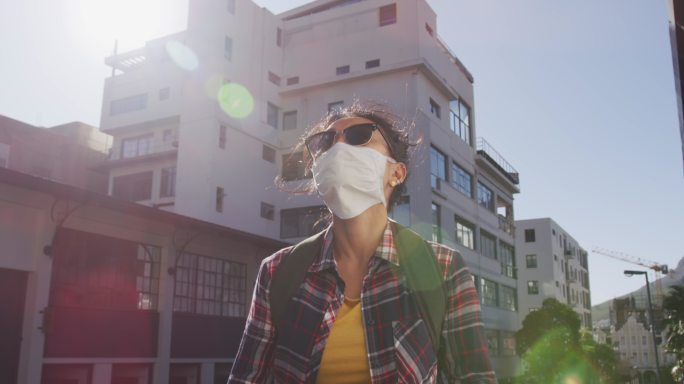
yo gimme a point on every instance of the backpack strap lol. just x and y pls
(424, 278)
(290, 274)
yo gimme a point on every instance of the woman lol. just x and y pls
(354, 318)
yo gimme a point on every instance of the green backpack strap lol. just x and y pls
(424, 278)
(290, 274)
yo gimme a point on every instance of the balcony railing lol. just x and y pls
(117, 152)
(506, 225)
(127, 61)
(452, 57)
(490, 154)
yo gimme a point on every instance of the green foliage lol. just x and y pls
(674, 320)
(553, 349)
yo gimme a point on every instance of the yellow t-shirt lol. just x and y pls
(345, 359)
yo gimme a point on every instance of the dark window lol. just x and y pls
(222, 372)
(95, 271)
(293, 80)
(273, 78)
(509, 298)
(459, 119)
(267, 211)
(135, 187)
(335, 106)
(490, 294)
(231, 6)
(485, 197)
(435, 109)
(487, 245)
(428, 28)
(272, 115)
(465, 233)
(228, 48)
(128, 104)
(220, 194)
(136, 146)
(168, 182)
(342, 70)
(279, 37)
(492, 337)
(436, 223)
(507, 258)
(268, 154)
(210, 286)
(300, 222)
(533, 287)
(372, 63)
(294, 167)
(437, 168)
(461, 180)
(223, 133)
(530, 236)
(388, 14)
(531, 261)
(289, 120)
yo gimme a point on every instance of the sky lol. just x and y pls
(578, 96)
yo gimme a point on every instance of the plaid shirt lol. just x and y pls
(397, 340)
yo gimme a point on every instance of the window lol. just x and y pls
(164, 93)
(508, 298)
(428, 28)
(507, 258)
(272, 115)
(222, 372)
(300, 222)
(168, 182)
(293, 80)
(401, 212)
(490, 296)
(279, 37)
(643, 340)
(388, 14)
(461, 180)
(128, 104)
(492, 337)
(136, 146)
(273, 78)
(220, 194)
(135, 187)
(459, 119)
(336, 106)
(294, 167)
(4, 154)
(487, 245)
(436, 220)
(268, 154)
(435, 109)
(210, 286)
(372, 63)
(231, 7)
(342, 70)
(530, 236)
(531, 261)
(465, 233)
(289, 120)
(485, 197)
(437, 168)
(223, 133)
(167, 135)
(533, 287)
(96, 271)
(228, 48)
(507, 343)
(267, 211)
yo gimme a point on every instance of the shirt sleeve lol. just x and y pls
(254, 359)
(466, 357)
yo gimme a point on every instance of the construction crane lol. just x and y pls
(659, 269)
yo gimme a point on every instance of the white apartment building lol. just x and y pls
(634, 343)
(552, 264)
(205, 119)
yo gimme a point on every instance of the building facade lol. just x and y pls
(552, 264)
(98, 290)
(204, 121)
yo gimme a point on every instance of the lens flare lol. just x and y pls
(182, 55)
(235, 100)
(572, 379)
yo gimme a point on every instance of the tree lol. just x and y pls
(554, 351)
(673, 304)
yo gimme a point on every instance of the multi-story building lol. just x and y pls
(66, 153)
(205, 119)
(552, 264)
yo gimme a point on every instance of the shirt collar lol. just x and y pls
(386, 250)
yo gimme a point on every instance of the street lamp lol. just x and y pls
(629, 273)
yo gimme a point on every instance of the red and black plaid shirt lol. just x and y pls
(397, 340)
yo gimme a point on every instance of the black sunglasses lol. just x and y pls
(357, 135)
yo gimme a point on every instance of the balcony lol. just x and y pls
(569, 254)
(493, 158)
(125, 155)
(506, 225)
(452, 57)
(127, 61)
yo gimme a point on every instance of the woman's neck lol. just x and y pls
(356, 239)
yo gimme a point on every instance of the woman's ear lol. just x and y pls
(398, 174)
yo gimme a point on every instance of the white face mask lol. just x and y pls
(350, 179)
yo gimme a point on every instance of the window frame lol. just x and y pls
(437, 157)
(387, 15)
(458, 176)
(460, 224)
(489, 203)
